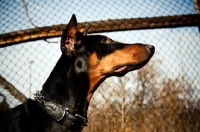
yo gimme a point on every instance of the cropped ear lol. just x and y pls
(69, 36)
(86, 30)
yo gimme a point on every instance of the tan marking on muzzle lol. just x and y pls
(99, 69)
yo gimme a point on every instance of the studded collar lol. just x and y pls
(62, 115)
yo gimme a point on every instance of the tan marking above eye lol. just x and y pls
(93, 60)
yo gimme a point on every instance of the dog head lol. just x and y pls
(100, 56)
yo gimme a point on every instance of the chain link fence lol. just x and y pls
(162, 96)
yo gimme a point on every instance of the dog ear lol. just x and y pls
(86, 30)
(69, 36)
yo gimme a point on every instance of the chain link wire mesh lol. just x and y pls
(162, 96)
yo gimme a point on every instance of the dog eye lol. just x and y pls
(106, 40)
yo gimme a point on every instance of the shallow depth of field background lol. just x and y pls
(162, 96)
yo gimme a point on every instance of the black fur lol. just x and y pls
(68, 83)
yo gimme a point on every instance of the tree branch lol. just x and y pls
(27, 14)
(12, 90)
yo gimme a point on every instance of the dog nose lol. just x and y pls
(151, 47)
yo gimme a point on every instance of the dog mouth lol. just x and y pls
(126, 68)
(120, 69)
(123, 69)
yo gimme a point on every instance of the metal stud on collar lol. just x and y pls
(39, 97)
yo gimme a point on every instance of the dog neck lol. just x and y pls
(67, 87)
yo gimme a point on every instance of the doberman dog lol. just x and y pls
(86, 61)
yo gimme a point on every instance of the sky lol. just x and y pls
(47, 13)
(28, 65)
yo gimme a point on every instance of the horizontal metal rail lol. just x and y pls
(42, 33)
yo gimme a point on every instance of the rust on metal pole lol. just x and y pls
(42, 33)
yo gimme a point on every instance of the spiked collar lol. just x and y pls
(62, 115)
